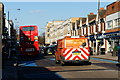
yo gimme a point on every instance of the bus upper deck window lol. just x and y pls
(28, 28)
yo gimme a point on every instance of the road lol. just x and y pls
(42, 68)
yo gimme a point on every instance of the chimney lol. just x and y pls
(91, 13)
(101, 8)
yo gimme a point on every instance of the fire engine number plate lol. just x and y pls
(76, 53)
(49, 53)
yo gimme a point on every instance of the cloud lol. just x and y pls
(36, 11)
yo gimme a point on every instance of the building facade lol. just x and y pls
(50, 32)
(47, 33)
(102, 29)
(59, 29)
(1, 31)
(1, 24)
(112, 33)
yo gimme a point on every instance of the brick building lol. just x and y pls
(102, 29)
(112, 33)
(50, 32)
(47, 33)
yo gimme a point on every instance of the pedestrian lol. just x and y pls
(91, 51)
(119, 54)
(98, 49)
(115, 51)
(111, 50)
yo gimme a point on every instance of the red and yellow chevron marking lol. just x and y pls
(83, 55)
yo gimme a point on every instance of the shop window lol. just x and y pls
(109, 24)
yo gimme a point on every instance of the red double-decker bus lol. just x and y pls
(29, 40)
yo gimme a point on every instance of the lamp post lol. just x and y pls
(8, 26)
(9, 34)
(17, 26)
(97, 46)
(9, 23)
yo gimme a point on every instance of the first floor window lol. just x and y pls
(118, 21)
(109, 24)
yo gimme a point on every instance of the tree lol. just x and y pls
(41, 39)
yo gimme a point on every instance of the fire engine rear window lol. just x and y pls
(75, 42)
(28, 28)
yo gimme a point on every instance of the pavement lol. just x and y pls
(107, 56)
(8, 70)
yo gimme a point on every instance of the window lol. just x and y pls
(48, 30)
(109, 24)
(78, 27)
(48, 35)
(73, 26)
(102, 20)
(112, 7)
(117, 22)
(28, 28)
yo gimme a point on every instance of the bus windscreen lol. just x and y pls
(28, 28)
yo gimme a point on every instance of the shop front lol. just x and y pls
(92, 42)
(113, 39)
(100, 44)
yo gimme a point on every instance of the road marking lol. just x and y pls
(104, 60)
(28, 63)
(53, 59)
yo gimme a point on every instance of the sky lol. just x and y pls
(39, 13)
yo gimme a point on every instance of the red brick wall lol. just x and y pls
(79, 31)
(89, 29)
(86, 30)
(83, 31)
(112, 8)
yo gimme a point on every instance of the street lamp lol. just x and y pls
(16, 26)
(9, 23)
(9, 53)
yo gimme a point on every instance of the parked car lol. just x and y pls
(50, 50)
(41, 48)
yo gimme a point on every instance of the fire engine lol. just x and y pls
(72, 50)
